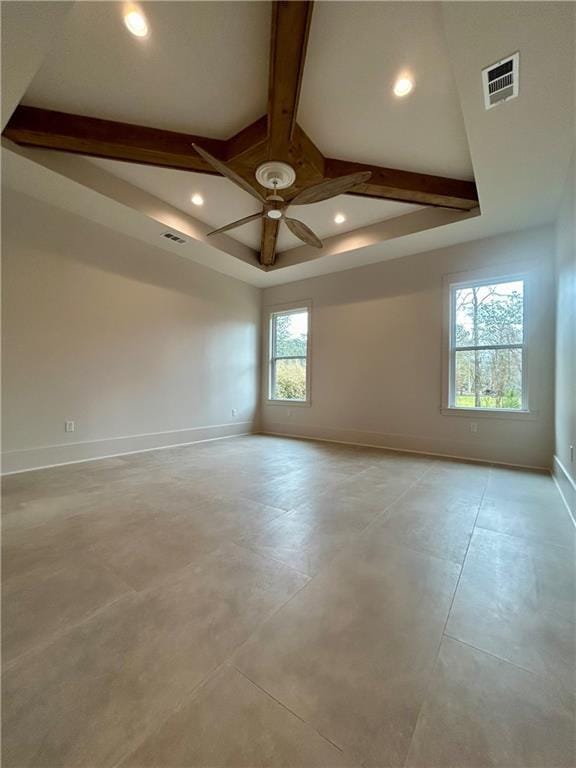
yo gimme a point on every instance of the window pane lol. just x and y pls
(289, 380)
(490, 314)
(291, 334)
(489, 378)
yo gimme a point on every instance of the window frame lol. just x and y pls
(488, 276)
(271, 313)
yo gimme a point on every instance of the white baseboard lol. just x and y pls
(566, 487)
(42, 457)
(400, 443)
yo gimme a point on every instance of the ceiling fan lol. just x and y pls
(276, 175)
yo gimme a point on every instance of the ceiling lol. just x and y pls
(204, 70)
(355, 53)
(223, 203)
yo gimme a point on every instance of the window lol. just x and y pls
(288, 369)
(487, 365)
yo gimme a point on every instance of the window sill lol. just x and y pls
(289, 403)
(489, 413)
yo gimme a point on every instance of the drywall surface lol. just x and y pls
(565, 422)
(377, 356)
(138, 347)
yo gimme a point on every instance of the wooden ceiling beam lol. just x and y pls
(289, 39)
(112, 140)
(248, 142)
(408, 187)
(268, 241)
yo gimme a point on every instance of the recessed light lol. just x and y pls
(403, 86)
(136, 23)
(197, 199)
(339, 218)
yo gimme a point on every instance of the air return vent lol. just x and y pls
(175, 238)
(500, 81)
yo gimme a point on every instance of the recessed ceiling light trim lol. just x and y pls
(197, 199)
(403, 86)
(135, 22)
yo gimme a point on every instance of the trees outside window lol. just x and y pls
(289, 355)
(487, 345)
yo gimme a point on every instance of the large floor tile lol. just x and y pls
(308, 537)
(47, 600)
(542, 517)
(181, 534)
(99, 688)
(430, 521)
(486, 713)
(516, 599)
(352, 653)
(458, 478)
(251, 730)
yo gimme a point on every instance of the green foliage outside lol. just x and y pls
(290, 380)
(489, 315)
(291, 342)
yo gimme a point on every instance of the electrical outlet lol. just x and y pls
(69, 426)
(234, 412)
(473, 426)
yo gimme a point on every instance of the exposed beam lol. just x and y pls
(268, 241)
(289, 38)
(408, 187)
(249, 141)
(105, 138)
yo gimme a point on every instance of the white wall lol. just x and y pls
(140, 347)
(565, 463)
(377, 355)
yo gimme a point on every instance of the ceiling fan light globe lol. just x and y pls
(274, 214)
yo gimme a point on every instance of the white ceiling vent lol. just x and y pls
(500, 81)
(176, 239)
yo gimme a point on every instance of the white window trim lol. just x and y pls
(487, 276)
(269, 312)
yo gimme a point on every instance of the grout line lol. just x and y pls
(302, 720)
(275, 560)
(45, 642)
(531, 541)
(184, 700)
(495, 656)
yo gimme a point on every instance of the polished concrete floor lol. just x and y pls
(271, 602)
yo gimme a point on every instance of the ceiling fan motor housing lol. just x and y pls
(275, 175)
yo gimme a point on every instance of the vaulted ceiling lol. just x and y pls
(206, 70)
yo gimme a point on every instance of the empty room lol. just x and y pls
(288, 384)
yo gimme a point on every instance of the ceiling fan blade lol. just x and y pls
(235, 224)
(303, 232)
(331, 188)
(229, 173)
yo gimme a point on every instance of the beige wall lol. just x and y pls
(565, 464)
(139, 347)
(377, 355)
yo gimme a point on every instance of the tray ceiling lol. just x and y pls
(224, 203)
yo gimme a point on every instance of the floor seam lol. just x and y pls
(302, 720)
(495, 656)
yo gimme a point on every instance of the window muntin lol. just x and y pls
(288, 379)
(487, 345)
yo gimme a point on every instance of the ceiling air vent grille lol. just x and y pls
(500, 81)
(176, 239)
